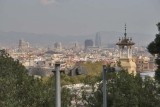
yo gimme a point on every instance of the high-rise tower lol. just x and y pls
(98, 40)
(23, 45)
(88, 43)
(58, 46)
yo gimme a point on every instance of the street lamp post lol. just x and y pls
(58, 86)
(104, 86)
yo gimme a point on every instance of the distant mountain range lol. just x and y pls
(12, 38)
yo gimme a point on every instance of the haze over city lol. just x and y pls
(79, 17)
(79, 53)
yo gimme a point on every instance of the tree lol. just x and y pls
(125, 90)
(154, 49)
(12, 74)
(18, 89)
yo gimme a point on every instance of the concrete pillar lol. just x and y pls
(104, 86)
(58, 85)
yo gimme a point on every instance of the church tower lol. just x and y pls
(125, 53)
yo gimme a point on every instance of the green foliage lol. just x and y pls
(119, 64)
(154, 49)
(93, 68)
(157, 74)
(11, 75)
(125, 90)
(18, 89)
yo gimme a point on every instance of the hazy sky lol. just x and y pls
(77, 17)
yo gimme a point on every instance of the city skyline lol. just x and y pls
(79, 53)
(79, 17)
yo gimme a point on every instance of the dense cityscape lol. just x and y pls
(34, 58)
(79, 53)
(40, 62)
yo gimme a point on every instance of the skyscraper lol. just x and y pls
(88, 43)
(23, 45)
(98, 39)
(58, 46)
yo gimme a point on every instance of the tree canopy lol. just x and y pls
(18, 89)
(154, 49)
